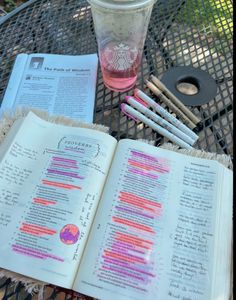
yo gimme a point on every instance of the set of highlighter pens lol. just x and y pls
(159, 119)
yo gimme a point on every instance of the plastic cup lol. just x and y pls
(120, 27)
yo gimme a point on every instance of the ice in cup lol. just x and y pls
(120, 27)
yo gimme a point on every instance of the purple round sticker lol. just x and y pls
(69, 234)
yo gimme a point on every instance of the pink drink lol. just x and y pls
(119, 63)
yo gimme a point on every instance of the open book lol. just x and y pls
(113, 220)
(60, 84)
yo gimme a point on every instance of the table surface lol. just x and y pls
(196, 33)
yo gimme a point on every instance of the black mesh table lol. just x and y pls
(195, 33)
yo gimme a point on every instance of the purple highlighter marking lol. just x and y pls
(133, 212)
(28, 253)
(118, 281)
(74, 175)
(122, 272)
(146, 156)
(159, 166)
(116, 262)
(132, 170)
(125, 250)
(72, 161)
(68, 166)
(126, 245)
(64, 163)
(117, 245)
(111, 261)
(117, 249)
(28, 249)
(34, 253)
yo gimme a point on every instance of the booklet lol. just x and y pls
(113, 220)
(60, 84)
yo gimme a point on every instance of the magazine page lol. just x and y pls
(51, 179)
(153, 236)
(60, 84)
(14, 83)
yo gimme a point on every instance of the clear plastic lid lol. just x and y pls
(121, 4)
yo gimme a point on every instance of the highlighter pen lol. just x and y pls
(171, 105)
(175, 100)
(165, 114)
(137, 116)
(159, 120)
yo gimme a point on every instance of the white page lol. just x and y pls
(153, 234)
(60, 84)
(51, 179)
(14, 82)
(221, 288)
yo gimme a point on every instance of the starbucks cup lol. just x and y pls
(120, 27)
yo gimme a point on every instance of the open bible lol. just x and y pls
(113, 220)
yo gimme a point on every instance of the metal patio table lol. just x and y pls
(196, 33)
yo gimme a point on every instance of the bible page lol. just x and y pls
(221, 287)
(51, 179)
(153, 236)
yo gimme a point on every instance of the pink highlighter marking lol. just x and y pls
(60, 185)
(126, 258)
(142, 200)
(36, 230)
(146, 166)
(44, 201)
(133, 224)
(133, 238)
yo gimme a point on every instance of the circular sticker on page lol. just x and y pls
(69, 234)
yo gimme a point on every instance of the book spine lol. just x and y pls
(14, 82)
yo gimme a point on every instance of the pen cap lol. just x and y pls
(145, 98)
(123, 107)
(136, 99)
